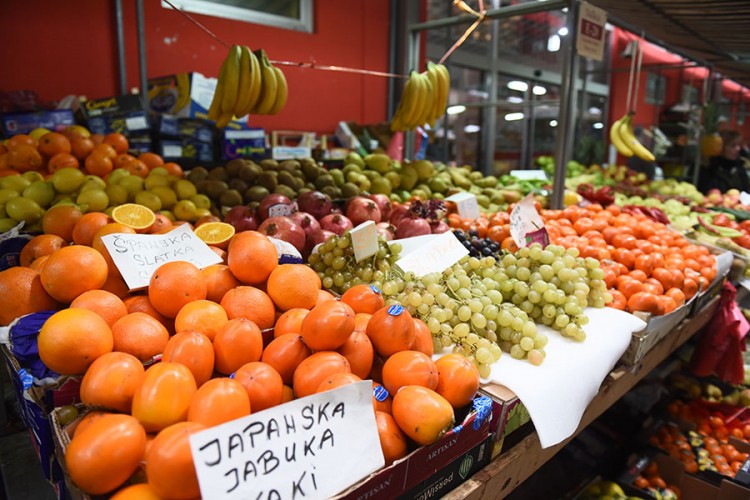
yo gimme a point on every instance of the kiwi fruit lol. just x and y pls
(285, 178)
(197, 174)
(290, 165)
(256, 193)
(349, 189)
(323, 181)
(269, 164)
(233, 166)
(286, 191)
(214, 188)
(249, 171)
(219, 174)
(268, 180)
(230, 198)
(238, 185)
(310, 170)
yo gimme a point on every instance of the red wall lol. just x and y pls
(59, 48)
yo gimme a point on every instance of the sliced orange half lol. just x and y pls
(217, 234)
(136, 216)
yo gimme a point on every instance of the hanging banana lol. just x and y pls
(627, 136)
(424, 98)
(616, 139)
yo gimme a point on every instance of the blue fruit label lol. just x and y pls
(395, 310)
(380, 393)
(375, 289)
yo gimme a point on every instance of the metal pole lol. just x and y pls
(499, 13)
(707, 88)
(142, 50)
(490, 113)
(412, 64)
(121, 47)
(393, 36)
(565, 121)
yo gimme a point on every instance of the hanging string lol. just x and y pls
(637, 75)
(195, 22)
(480, 17)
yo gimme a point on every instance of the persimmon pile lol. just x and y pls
(195, 349)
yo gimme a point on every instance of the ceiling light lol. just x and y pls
(471, 129)
(455, 110)
(553, 123)
(515, 99)
(478, 93)
(511, 117)
(595, 111)
(518, 85)
(598, 125)
(562, 31)
(539, 90)
(553, 43)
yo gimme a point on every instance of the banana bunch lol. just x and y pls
(424, 99)
(248, 83)
(622, 137)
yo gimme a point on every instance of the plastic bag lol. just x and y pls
(719, 348)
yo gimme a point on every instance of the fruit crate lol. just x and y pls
(11, 244)
(513, 414)
(61, 433)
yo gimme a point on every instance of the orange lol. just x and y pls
(458, 379)
(136, 167)
(53, 143)
(118, 141)
(138, 217)
(60, 220)
(174, 169)
(20, 139)
(194, 350)
(106, 304)
(250, 303)
(38, 264)
(162, 223)
(62, 160)
(203, 316)
(214, 233)
(219, 280)
(21, 293)
(72, 270)
(251, 256)
(169, 462)
(164, 397)
(293, 285)
(237, 342)
(645, 302)
(422, 414)
(121, 160)
(98, 163)
(116, 285)
(39, 246)
(106, 454)
(409, 368)
(141, 303)
(81, 147)
(24, 158)
(173, 285)
(71, 339)
(87, 226)
(392, 439)
(99, 246)
(140, 491)
(111, 381)
(358, 350)
(151, 160)
(140, 335)
(217, 401)
(364, 298)
(284, 354)
(263, 384)
(316, 368)
(290, 321)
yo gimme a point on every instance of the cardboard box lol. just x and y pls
(35, 405)
(418, 471)
(192, 128)
(244, 144)
(125, 114)
(513, 415)
(186, 150)
(657, 328)
(23, 123)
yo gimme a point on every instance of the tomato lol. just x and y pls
(423, 414)
(458, 379)
(364, 298)
(314, 369)
(328, 325)
(392, 439)
(391, 330)
(164, 397)
(219, 400)
(263, 384)
(409, 368)
(104, 455)
(169, 462)
(111, 381)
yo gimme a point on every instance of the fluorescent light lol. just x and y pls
(595, 111)
(598, 125)
(511, 117)
(455, 110)
(553, 123)
(553, 43)
(562, 31)
(539, 90)
(478, 93)
(471, 129)
(518, 85)
(515, 99)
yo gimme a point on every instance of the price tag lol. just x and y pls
(172, 150)
(137, 256)
(466, 203)
(136, 123)
(590, 39)
(529, 175)
(526, 226)
(365, 240)
(281, 210)
(435, 256)
(313, 447)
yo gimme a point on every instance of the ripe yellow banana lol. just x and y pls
(428, 100)
(616, 139)
(183, 91)
(282, 92)
(638, 149)
(412, 119)
(214, 110)
(406, 105)
(244, 86)
(232, 80)
(434, 75)
(224, 119)
(268, 85)
(254, 83)
(445, 87)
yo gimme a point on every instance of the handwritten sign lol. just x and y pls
(435, 256)
(311, 448)
(590, 39)
(526, 226)
(137, 256)
(365, 240)
(466, 203)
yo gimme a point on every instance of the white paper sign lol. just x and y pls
(466, 203)
(365, 240)
(590, 39)
(525, 222)
(745, 198)
(136, 123)
(529, 175)
(435, 256)
(137, 256)
(310, 448)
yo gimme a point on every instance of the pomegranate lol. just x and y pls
(315, 203)
(274, 205)
(415, 226)
(284, 228)
(384, 204)
(439, 227)
(386, 230)
(361, 209)
(242, 218)
(336, 223)
(399, 212)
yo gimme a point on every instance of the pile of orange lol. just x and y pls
(650, 479)
(75, 147)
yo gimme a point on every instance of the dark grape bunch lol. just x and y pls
(478, 247)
